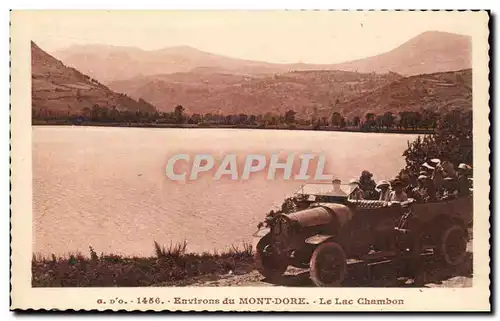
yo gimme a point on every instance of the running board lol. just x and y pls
(383, 257)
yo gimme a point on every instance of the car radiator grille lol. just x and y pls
(282, 233)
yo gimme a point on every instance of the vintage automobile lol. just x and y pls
(325, 230)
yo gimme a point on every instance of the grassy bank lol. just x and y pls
(170, 266)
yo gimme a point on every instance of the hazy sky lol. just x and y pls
(274, 36)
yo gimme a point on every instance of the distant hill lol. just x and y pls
(61, 90)
(428, 52)
(439, 92)
(106, 62)
(306, 92)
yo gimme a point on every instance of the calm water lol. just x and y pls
(107, 187)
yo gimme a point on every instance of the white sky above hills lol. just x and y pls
(273, 36)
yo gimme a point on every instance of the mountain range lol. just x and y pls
(429, 52)
(432, 70)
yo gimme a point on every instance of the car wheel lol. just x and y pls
(328, 265)
(452, 245)
(269, 264)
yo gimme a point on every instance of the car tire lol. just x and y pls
(328, 265)
(271, 267)
(452, 247)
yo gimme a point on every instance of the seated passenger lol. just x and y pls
(463, 179)
(413, 192)
(438, 176)
(450, 188)
(434, 165)
(448, 169)
(404, 177)
(383, 188)
(397, 194)
(367, 185)
(356, 192)
(425, 192)
(337, 191)
(435, 162)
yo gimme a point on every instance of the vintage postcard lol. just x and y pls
(250, 160)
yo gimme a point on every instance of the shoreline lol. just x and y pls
(194, 126)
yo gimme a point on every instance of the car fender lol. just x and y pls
(258, 237)
(318, 239)
(260, 233)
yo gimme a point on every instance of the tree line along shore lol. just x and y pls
(423, 122)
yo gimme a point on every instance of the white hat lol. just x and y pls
(426, 165)
(382, 183)
(354, 181)
(436, 161)
(464, 166)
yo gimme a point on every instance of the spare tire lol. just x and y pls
(452, 245)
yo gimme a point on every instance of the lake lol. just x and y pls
(106, 187)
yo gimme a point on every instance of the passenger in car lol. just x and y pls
(427, 167)
(337, 191)
(425, 192)
(383, 187)
(450, 188)
(356, 192)
(437, 174)
(463, 183)
(367, 185)
(448, 169)
(397, 194)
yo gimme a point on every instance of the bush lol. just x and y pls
(452, 141)
(173, 251)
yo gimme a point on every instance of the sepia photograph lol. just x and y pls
(276, 150)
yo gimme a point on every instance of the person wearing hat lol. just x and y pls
(425, 192)
(448, 169)
(397, 194)
(464, 167)
(337, 191)
(427, 167)
(383, 189)
(435, 162)
(463, 181)
(356, 192)
(405, 177)
(437, 173)
(450, 188)
(367, 184)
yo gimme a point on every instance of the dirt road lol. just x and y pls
(433, 274)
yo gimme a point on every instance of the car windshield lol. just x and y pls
(321, 189)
